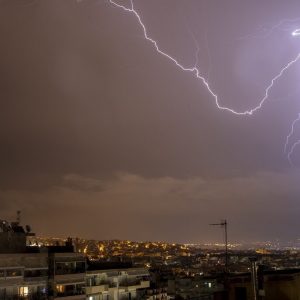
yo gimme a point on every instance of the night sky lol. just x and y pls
(102, 137)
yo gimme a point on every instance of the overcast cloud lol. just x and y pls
(100, 131)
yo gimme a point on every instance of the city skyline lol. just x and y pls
(102, 137)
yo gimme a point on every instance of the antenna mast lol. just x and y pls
(223, 224)
(18, 217)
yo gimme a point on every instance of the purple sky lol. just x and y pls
(102, 137)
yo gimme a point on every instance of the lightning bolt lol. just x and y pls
(266, 32)
(287, 142)
(197, 49)
(291, 133)
(296, 32)
(194, 70)
(291, 152)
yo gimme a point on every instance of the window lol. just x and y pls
(105, 296)
(23, 291)
(36, 273)
(70, 267)
(240, 293)
(13, 272)
(2, 293)
(80, 267)
(60, 288)
(69, 290)
(64, 268)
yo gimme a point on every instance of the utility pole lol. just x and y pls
(223, 224)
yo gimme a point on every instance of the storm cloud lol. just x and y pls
(113, 139)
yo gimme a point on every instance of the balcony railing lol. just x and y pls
(110, 283)
(70, 293)
(34, 296)
(39, 279)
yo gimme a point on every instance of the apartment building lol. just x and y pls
(57, 272)
(120, 284)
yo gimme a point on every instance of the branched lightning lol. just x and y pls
(196, 72)
(291, 133)
(287, 142)
(266, 32)
(197, 49)
(291, 151)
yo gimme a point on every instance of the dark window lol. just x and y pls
(13, 272)
(69, 267)
(80, 267)
(240, 293)
(65, 268)
(35, 273)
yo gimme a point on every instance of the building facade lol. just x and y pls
(120, 284)
(57, 272)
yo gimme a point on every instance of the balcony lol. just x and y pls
(34, 296)
(69, 290)
(72, 297)
(36, 279)
(70, 293)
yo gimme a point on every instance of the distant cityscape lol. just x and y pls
(190, 259)
(133, 245)
(39, 268)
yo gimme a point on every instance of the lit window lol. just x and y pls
(23, 291)
(60, 288)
